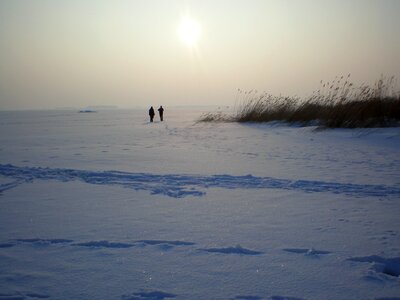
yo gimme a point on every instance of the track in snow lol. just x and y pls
(182, 185)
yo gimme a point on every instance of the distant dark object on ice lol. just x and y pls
(87, 111)
(161, 112)
(96, 108)
(151, 113)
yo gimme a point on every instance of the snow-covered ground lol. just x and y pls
(109, 206)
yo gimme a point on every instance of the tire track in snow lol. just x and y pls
(182, 185)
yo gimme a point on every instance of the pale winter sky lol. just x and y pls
(76, 53)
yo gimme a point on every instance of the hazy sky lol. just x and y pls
(76, 53)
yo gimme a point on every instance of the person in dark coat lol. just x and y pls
(161, 112)
(151, 113)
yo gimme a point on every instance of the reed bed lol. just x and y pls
(336, 104)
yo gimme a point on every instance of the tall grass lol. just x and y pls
(334, 104)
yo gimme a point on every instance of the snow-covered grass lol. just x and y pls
(110, 206)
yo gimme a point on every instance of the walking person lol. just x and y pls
(151, 113)
(161, 112)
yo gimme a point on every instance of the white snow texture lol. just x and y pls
(107, 205)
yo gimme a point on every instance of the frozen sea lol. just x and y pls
(107, 205)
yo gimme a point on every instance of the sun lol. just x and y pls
(189, 32)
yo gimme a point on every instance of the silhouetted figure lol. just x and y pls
(151, 113)
(161, 112)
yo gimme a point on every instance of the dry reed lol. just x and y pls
(335, 104)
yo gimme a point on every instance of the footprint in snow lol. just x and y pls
(247, 298)
(26, 296)
(387, 266)
(104, 244)
(307, 252)
(180, 185)
(160, 242)
(155, 295)
(232, 250)
(165, 245)
(44, 241)
(36, 296)
(285, 298)
(35, 241)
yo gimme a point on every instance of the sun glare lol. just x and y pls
(189, 32)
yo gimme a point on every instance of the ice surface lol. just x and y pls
(109, 206)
